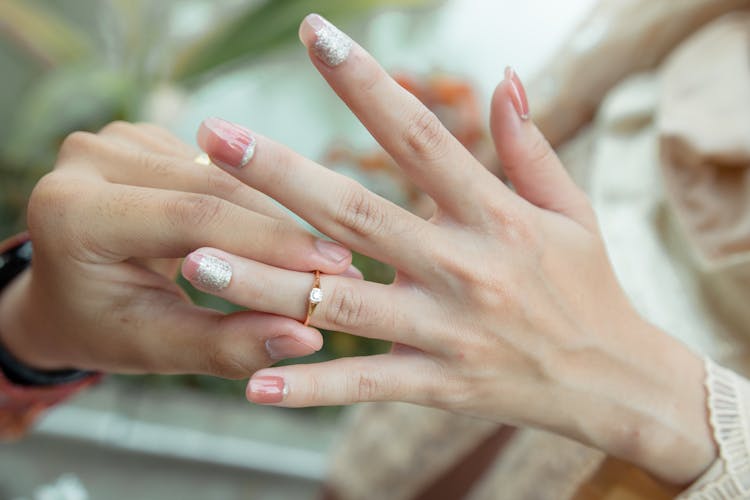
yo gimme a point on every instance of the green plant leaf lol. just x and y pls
(75, 98)
(264, 27)
(48, 38)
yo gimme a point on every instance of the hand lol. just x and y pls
(504, 306)
(108, 226)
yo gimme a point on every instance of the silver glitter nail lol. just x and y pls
(248, 154)
(331, 44)
(213, 274)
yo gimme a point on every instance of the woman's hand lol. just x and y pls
(505, 305)
(108, 226)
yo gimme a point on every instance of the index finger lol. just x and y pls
(429, 154)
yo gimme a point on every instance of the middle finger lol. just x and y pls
(429, 154)
(337, 205)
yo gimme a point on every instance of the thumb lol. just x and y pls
(528, 159)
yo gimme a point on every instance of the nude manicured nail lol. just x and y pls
(228, 144)
(267, 389)
(332, 251)
(207, 272)
(286, 347)
(518, 93)
(332, 46)
(353, 272)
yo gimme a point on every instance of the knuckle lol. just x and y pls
(369, 77)
(516, 226)
(154, 164)
(75, 144)
(313, 391)
(493, 295)
(50, 203)
(487, 291)
(152, 129)
(457, 267)
(278, 234)
(366, 387)
(360, 212)
(440, 390)
(225, 360)
(116, 127)
(194, 210)
(221, 183)
(280, 158)
(425, 135)
(373, 385)
(522, 232)
(446, 394)
(540, 151)
(346, 308)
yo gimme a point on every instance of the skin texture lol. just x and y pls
(109, 226)
(504, 306)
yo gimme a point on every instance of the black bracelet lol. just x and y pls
(12, 263)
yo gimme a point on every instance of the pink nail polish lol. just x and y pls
(267, 389)
(207, 272)
(228, 144)
(331, 45)
(286, 347)
(518, 93)
(353, 272)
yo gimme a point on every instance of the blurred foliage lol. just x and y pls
(79, 64)
(274, 24)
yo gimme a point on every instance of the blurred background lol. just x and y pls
(79, 64)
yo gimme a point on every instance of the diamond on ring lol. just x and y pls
(316, 295)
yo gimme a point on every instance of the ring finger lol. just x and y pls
(348, 304)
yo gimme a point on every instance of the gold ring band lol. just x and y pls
(314, 298)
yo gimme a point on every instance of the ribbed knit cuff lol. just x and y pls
(728, 400)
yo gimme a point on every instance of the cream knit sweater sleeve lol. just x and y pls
(728, 399)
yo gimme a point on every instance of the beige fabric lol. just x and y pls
(394, 450)
(729, 404)
(619, 38)
(665, 164)
(538, 465)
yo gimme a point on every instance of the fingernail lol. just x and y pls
(228, 144)
(207, 272)
(286, 347)
(518, 93)
(332, 46)
(353, 272)
(332, 251)
(267, 389)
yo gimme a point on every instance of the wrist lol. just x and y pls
(20, 324)
(660, 401)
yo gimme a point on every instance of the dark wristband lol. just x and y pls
(12, 263)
